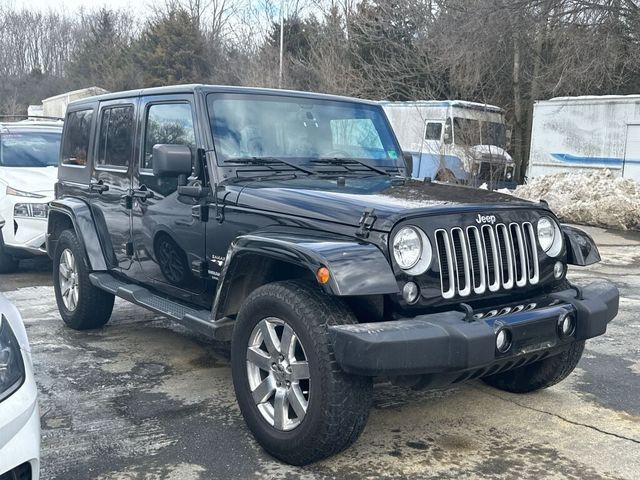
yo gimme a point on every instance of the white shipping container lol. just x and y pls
(586, 133)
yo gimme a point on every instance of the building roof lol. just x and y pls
(89, 90)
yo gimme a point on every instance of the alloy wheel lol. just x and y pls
(278, 373)
(68, 278)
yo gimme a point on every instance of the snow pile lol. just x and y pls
(597, 198)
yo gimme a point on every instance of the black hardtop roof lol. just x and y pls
(192, 88)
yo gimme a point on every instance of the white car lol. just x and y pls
(28, 171)
(19, 414)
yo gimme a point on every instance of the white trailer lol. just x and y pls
(586, 133)
(454, 140)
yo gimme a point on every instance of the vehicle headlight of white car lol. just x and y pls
(21, 193)
(31, 210)
(12, 372)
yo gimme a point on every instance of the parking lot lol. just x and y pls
(144, 398)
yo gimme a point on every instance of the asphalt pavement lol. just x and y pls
(145, 399)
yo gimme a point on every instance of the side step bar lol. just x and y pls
(192, 318)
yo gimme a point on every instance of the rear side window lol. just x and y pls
(115, 145)
(77, 131)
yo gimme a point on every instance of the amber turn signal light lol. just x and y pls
(323, 275)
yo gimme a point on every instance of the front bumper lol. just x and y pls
(20, 427)
(452, 343)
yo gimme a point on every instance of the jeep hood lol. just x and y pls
(30, 179)
(393, 200)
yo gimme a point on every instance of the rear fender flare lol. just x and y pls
(79, 213)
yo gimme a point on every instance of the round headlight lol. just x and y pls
(407, 247)
(546, 233)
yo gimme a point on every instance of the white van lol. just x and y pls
(454, 140)
(586, 133)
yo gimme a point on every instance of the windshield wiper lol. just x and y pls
(269, 161)
(349, 161)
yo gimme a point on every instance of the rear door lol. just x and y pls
(169, 242)
(111, 179)
(631, 167)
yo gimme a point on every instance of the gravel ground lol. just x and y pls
(145, 399)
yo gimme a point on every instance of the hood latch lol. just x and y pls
(366, 223)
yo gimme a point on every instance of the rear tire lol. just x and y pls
(8, 263)
(538, 375)
(82, 306)
(336, 404)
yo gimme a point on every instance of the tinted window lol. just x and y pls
(116, 136)
(167, 124)
(77, 130)
(433, 131)
(29, 149)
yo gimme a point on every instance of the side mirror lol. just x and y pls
(408, 161)
(171, 160)
(508, 134)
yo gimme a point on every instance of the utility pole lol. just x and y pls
(281, 41)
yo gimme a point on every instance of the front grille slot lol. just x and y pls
(490, 257)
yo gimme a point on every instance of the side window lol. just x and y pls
(433, 131)
(116, 136)
(170, 123)
(77, 131)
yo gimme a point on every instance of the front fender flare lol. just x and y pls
(581, 249)
(357, 268)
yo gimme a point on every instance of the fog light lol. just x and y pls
(566, 324)
(410, 292)
(503, 340)
(558, 270)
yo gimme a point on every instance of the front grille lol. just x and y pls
(486, 258)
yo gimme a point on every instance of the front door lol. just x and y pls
(631, 167)
(111, 179)
(169, 243)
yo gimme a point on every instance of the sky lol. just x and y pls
(136, 7)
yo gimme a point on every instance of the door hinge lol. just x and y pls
(200, 268)
(126, 201)
(200, 212)
(366, 223)
(129, 249)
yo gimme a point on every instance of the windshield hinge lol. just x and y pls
(366, 223)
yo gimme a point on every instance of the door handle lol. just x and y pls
(142, 193)
(98, 186)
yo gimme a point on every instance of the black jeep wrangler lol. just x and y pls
(285, 223)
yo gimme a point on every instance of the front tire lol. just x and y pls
(82, 306)
(294, 398)
(8, 263)
(538, 375)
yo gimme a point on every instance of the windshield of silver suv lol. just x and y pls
(304, 130)
(29, 149)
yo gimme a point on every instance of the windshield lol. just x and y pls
(299, 129)
(29, 149)
(469, 132)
